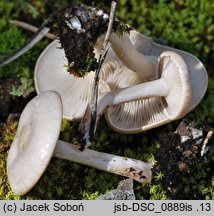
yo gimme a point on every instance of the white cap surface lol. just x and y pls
(34, 142)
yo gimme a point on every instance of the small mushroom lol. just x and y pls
(36, 141)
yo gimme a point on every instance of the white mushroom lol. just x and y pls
(142, 65)
(36, 142)
(140, 115)
(33, 144)
(51, 74)
(169, 96)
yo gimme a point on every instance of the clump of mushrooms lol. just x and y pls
(142, 85)
(36, 141)
(132, 59)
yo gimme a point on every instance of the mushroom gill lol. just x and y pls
(51, 74)
(136, 116)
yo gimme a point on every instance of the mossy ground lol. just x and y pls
(68, 180)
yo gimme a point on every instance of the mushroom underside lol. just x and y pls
(137, 116)
(76, 91)
(51, 74)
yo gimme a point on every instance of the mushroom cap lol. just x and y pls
(137, 116)
(174, 72)
(197, 71)
(34, 142)
(51, 74)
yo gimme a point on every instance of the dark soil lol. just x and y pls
(179, 153)
(10, 104)
(78, 31)
(78, 41)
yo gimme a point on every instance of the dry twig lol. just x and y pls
(31, 28)
(89, 132)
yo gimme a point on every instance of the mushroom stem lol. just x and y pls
(135, 169)
(156, 88)
(130, 57)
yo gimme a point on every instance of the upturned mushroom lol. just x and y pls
(36, 141)
(51, 74)
(169, 97)
(140, 115)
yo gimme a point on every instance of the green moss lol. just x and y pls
(6, 138)
(24, 89)
(157, 193)
(199, 181)
(152, 192)
(209, 190)
(123, 28)
(159, 176)
(185, 25)
(11, 39)
(7, 133)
